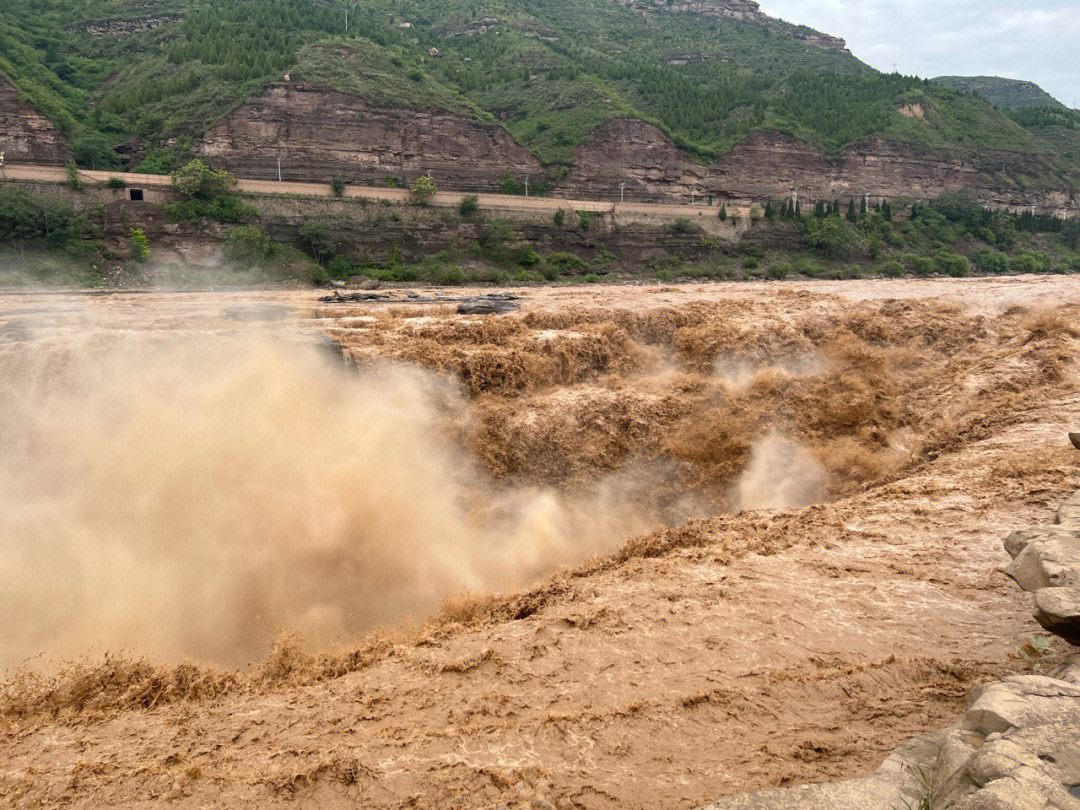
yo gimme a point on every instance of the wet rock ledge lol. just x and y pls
(1017, 746)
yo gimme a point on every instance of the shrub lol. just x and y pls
(452, 275)
(778, 271)
(560, 217)
(990, 261)
(229, 208)
(1030, 261)
(246, 244)
(25, 218)
(496, 234)
(74, 181)
(337, 185)
(892, 269)
(470, 204)
(923, 266)
(951, 264)
(565, 262)
(806, 266)
(584, 219)
(681, 226)
(315, 237)
(526, 256)
(116, 183)
(829, 235)
(196, 180)
(723, 213)
(423, 189)
(511, 186)
(337, 267)
(140, 245)
(94, 151)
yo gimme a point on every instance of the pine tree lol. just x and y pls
(770, 212)
(862, 207)
(851, 215)
(819, 209)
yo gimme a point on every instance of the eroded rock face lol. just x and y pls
(746, 10)
(27, 136)
(101, 28)
(319, 134)
(769, 165)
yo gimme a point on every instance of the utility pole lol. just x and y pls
(346, 19)
(279, 168)
(526, 186)
(622, 191)
(693, 196)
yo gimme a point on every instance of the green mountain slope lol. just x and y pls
(549, 71)
(1004, 93)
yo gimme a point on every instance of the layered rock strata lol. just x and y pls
(769, 165)
(27, 136)
(318, 134)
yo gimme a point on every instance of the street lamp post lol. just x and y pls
(622, 190)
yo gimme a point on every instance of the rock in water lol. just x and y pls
(486, 306)
(1058, 610)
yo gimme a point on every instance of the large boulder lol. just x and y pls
(1058, 610)
(1049, 561)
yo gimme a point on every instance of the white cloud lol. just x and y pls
(954, 37)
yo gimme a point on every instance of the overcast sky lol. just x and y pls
(1037, 40)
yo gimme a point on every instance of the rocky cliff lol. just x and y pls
(319, 134)
(768, 165)
(746, 10)
(27, 136)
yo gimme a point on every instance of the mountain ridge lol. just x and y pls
(155, 77)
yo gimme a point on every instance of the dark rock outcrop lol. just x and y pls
(27, 136)
(321, 133)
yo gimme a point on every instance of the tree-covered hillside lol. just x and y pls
(1004, 93)
(549, 71)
